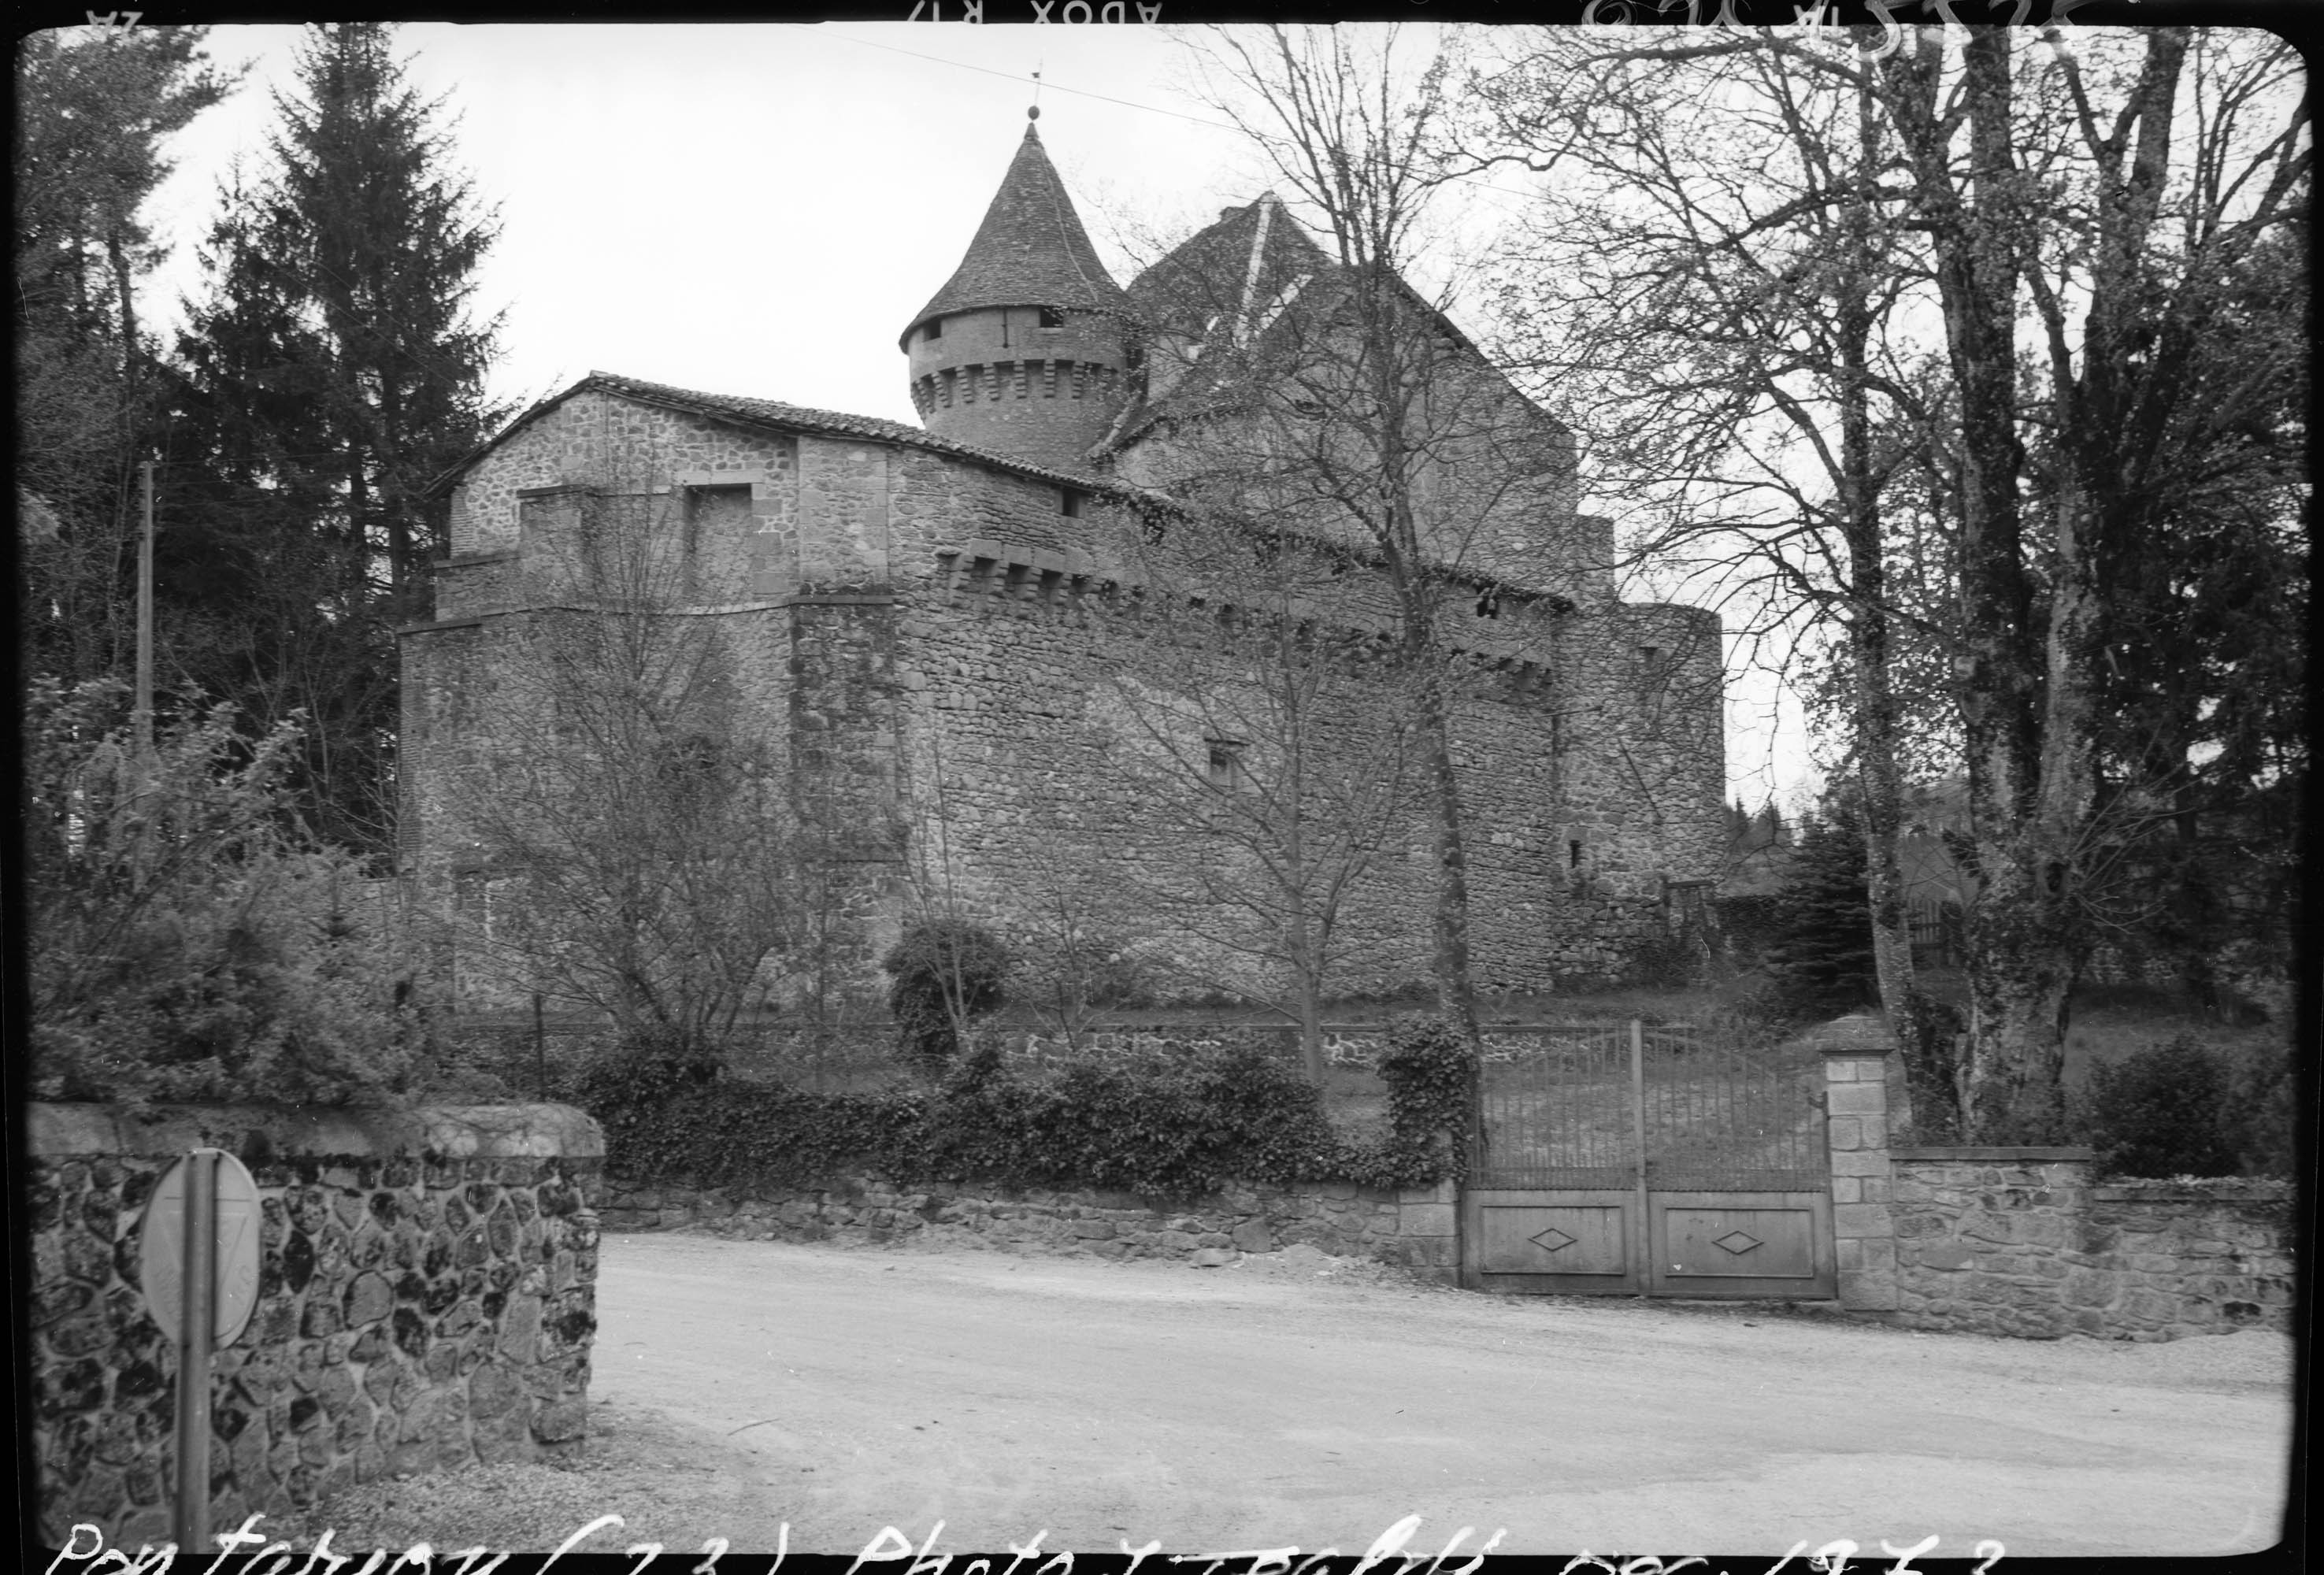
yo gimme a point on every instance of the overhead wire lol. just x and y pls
(1038, 82)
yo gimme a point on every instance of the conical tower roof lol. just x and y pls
(1031, 250)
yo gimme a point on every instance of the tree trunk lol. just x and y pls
(2020, 944)
(1869, 617)
(1456, 993)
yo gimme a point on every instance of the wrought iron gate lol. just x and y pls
(1627, 1160)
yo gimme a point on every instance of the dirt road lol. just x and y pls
(1267, 1406)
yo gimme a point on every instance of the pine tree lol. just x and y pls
(95, 110)
(332, 372)
(1819, 951)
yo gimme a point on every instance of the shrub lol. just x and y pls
(2163, 1111)
(945, 975)
(1664, 960)
(1214, 1114)
(1746, 923)
(188, 941)
(1431, 1071)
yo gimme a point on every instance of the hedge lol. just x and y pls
(1220, 1114)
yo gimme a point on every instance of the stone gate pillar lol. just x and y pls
(1857, 1057)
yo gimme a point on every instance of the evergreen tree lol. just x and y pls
(333, 371)
(95, 108)
(1820, 950)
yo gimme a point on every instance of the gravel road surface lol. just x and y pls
(1295, 1400)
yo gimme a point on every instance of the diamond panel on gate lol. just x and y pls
(1737, 1242)
(1551, 1239)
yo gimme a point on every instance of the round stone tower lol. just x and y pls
(1023, 350)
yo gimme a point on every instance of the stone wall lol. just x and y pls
(2019, 1241)
(2022, 1241)
(426, 1298)
(1413, 1228)
(936, 647)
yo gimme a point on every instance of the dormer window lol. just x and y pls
(1051, 318)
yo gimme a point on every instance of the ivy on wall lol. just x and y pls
(1218, 1115)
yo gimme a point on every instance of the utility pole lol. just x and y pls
(143, 721)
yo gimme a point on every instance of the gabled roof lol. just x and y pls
(1030, 251)
(774, 415)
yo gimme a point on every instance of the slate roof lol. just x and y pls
(777, 415)
(1030, 251)
(1220, 288)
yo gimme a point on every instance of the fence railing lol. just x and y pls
(1676, 1107)
(1936, 932)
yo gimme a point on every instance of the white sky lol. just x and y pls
(759, 209)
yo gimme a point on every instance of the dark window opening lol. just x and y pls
(934, 330)
(1051, 318)
(1069, 503)
(1573, 854)
(1488, 602)
(1224, 770)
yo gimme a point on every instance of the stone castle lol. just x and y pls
(945, 636)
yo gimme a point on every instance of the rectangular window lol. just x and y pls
(1225, 772)
(1051, 318)
(934, 330)
(1069, 503)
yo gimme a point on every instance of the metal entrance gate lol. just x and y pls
(1625, 1160)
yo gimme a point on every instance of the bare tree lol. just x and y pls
(1271, 738)
(1935, 195)
(1315, 393)
(1708, 285)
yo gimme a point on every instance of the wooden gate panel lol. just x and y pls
(1551, 1243)
(1742, 1244)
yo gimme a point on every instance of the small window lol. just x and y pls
(1069, 502)
(1051, 318)
(934, 330)
(1573, 854)
(1224, 770)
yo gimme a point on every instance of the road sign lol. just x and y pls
(162, 1252)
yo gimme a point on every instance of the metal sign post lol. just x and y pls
(199, 1256)
(192, 1497)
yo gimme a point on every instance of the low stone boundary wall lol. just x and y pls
(426, 1298)
(1413, 1228)
(2019, 1241)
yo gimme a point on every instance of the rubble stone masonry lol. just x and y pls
(2023, 1241)
(426, 1298)
(937, 643)
(1413, 1227)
